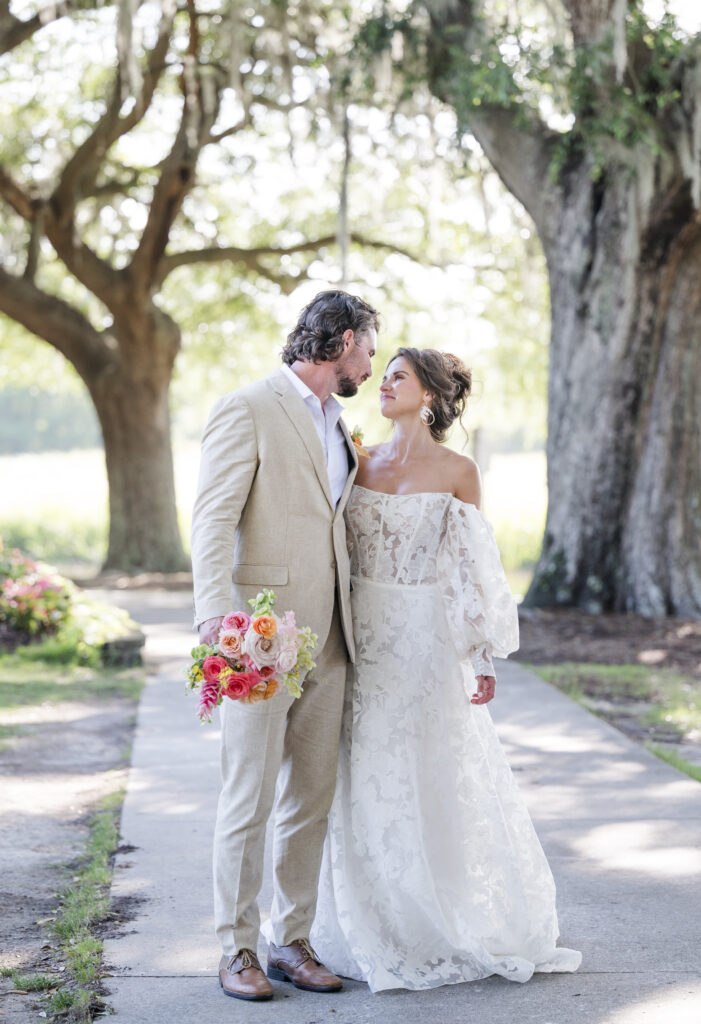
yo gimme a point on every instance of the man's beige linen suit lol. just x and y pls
(265, 518)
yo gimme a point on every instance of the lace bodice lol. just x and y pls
(433, 539)
(395, 537)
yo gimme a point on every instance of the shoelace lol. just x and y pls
(247, 958)
(307, 949)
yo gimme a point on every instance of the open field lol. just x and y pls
(54, 504)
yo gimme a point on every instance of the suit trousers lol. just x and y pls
(284, 752)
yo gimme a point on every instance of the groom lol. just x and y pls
(276, 471)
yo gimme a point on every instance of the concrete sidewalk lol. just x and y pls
(622, 831)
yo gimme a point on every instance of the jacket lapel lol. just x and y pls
(353, 468)
(300, 418)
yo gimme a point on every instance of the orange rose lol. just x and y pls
(261, 691)
(255, 694)
(265, 625)
(271, 689)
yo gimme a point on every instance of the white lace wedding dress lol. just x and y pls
(432, 872)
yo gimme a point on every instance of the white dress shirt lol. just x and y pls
(325, 419)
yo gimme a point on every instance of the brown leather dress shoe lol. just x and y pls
(299, 964)
(241, 976)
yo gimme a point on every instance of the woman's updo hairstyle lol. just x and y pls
(448, 380)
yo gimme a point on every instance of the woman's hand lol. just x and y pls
(485, 690)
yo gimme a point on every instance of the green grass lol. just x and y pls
(619, 682)
(33, 982)
(660, 699)
(83, 905)
(27, 682)
(680, 763)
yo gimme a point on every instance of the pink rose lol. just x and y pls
(237, 620)
(286, 659)
(230, 643)
(240, 684)
(212, 667)
(266, 672)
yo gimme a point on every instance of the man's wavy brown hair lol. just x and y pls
(318, 335)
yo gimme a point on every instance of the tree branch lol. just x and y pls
(55, 321)
(202, 89)
(15, 195)
(245, 122)
(79, 174)
(14, 31)
(514, 138)
(251, 258)
(96, 274)
(596, 21)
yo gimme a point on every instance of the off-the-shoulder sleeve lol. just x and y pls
(479, 606)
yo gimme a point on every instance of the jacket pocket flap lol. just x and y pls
(260, 575)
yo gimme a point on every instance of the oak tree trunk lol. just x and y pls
(131, 400)
(624, 452)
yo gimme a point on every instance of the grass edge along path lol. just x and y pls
(44, 674)
(656, 699)
(83, 906)
(76, 992)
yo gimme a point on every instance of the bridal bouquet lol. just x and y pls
(254, 655)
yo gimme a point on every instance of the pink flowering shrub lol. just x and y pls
(34, 599)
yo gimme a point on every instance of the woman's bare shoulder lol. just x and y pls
(465, 477)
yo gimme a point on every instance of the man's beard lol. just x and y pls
(345, 386)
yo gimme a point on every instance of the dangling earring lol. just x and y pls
(427, 415)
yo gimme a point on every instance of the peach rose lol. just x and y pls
(262, 691)
(230, 643)
(265, 625)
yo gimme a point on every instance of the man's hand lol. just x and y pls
(485, 690)
(209, 629)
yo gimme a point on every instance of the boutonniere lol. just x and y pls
(357, 439)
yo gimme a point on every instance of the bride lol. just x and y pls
(432, 872)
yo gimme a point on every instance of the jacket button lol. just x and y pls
(333, 565)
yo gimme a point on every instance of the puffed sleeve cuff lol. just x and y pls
(482, 663)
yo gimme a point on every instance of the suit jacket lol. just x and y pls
(264, 516)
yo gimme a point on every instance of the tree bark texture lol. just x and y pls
(624, 452)
(623, 250)
(131, 400)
